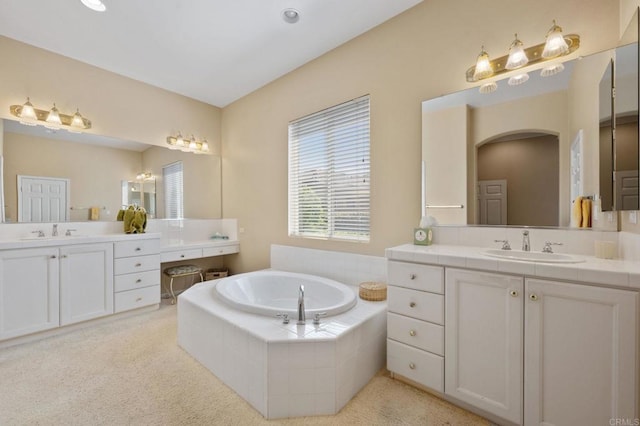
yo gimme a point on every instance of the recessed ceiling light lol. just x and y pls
(290, 16)
(96, 5)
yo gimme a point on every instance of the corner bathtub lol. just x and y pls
(275, 292)
(284, 370)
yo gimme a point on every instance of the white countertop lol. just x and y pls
(615, 273)
(62, 240)
(185, 244)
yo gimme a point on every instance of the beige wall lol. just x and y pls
(530, 167)
(418, 55)
(95, 172)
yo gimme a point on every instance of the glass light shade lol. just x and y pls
(205, 146)
(488, 87)
(77, 121)
(53, 117)
(518, 79)
(517, 56)
(552, 70)
(28, 112)
(96, 5)
(483, 66)
(555, 44)
(179, 141)
(192, 143)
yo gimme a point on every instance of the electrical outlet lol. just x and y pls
(241, 230)
(633, 217)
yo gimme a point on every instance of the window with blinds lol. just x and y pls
(329, 177)
(172, 181)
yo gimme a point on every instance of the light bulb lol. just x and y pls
(517, 56)
(555, 45)
(483, 66)
(53, 118)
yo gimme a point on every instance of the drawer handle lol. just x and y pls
(412, 276)
(138, 265)
(54, 257)
(412, 304)
(138, 280)
(138, 249)
(412, 333)
(182, 255)
(412, 366)
(138, 299)
(533, 297)
(513, 293)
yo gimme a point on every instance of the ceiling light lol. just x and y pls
(52, 119)
(552, 70)
(518, 79)
(483, 67)
(555, 44)
(517, 56)
(290, 15)
(190, 145)
(488, 87)
(96, 5)
(28, 114)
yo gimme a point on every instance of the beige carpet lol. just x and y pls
(131, 372)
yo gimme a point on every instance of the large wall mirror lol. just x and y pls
(519, 155)
(96, 168)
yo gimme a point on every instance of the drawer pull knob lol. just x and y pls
(412, 333)
(138, 249)
(138, 299)
(138, 280)
(412, 366)
(54, 256)
(138, 265)
(412, 276)
(533, 297)
(182, 255)
(513, 293)
(412, 304)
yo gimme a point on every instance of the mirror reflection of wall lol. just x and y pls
(141, 192)
(95, 171)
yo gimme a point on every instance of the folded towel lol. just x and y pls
(576, 212)
(129, 213)
(94, 213)
(586, 213)
(120, 216)
(139, 222)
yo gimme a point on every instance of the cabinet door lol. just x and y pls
(86, 282)
(580, 345)
(484, 342)
(28, 291)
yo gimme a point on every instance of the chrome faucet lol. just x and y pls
(525, 241)
(54, 233)
(301, 315)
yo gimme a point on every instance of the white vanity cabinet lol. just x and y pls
(415, 323)
(536, 351)
(29, 288)
(86, 282)
(137, 274)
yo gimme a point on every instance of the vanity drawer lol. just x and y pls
(421, 334)
(172, 256)
(132, 299)
(128, 265)
(220, 251)
(136, 248)
(419, 366)
(416, 304)
(419, 277)
(136, 280)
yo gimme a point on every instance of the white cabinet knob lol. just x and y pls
(412, 333)
(533, 297)
(513, 293)
(412, 276)
(412, 366)
(412, 304)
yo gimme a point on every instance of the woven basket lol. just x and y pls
(373, 291)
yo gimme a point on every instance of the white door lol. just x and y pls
(28, 291)
(42, 199)
(483, 341)
(580, 346)
(492, 202)
(86, 282)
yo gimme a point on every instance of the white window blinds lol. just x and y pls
(329, 178)
(172, 180)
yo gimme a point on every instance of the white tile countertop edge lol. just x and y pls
(63, 240)
(614, 273)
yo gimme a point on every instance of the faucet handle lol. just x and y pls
(68, 233)
(547, 246)
(505, 244)
(285, 318)
(40, 232)
(316, 317)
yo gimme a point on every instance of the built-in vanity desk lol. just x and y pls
(518, 342)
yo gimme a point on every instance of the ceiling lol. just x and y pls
(215, 51)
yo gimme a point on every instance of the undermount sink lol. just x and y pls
(533, 256)
(48, 238)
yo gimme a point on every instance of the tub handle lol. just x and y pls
(285, 318)
(316, 317)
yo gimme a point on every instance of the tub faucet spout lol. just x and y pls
(301, 315)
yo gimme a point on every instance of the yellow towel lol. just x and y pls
(139, 222)
(129, 213)
(120, 217)
(94, 213)
(576, 212)
(586, 213)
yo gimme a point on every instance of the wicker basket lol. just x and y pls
(373, 291)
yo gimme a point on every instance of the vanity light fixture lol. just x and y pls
(52, 119)
(556, 45)
(190, 145)
(145, 176)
